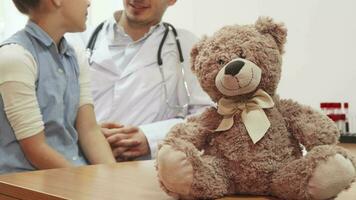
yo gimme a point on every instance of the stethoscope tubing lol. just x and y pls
(91, 44)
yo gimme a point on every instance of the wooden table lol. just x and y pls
(126, 181)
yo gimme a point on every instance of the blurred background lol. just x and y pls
(320, 59)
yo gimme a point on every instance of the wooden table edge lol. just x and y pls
(23, 193)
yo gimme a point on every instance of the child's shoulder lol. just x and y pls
(13, 52)
(15, 60)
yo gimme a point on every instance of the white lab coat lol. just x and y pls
(135, 95)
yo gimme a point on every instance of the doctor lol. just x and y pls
(138, 96)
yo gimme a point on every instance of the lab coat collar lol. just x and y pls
(101, 54)
(102, 57)
(146, 56)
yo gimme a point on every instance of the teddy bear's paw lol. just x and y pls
(174, 195)
(175, 171)
(331, 177)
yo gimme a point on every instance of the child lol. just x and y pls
(46, 112)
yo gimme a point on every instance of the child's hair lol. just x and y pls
(25, 5)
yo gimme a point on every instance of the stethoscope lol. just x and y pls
(182, 110)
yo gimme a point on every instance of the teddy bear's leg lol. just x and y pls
(323, 173)
(187, 174)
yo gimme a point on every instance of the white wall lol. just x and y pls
(10, 19)
(319, 64)
(2, 21)
(102, 9)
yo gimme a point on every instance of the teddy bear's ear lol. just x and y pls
(195, 51)
(266, 25)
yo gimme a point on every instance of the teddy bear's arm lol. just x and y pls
(309, 126)
(189, 132)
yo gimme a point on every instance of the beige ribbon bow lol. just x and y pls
(253, 116)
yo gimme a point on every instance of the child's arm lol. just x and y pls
(91, 140)
(18, 74)
(40, 155)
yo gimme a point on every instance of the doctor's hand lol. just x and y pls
(127, 142)
(110, 128)
(116, 134)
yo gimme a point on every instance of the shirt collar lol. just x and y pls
(37, 32)
(115, 30)
(65, 48)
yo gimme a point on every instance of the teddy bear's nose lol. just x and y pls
(234, 68)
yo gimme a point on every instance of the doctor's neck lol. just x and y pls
(135, 29)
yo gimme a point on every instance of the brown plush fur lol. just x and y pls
(229, 162)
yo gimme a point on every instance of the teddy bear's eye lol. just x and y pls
(221, 62)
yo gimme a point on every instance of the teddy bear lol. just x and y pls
(251, 141)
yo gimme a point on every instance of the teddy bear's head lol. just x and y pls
(238, 60)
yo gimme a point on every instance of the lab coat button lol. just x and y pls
(75, 158)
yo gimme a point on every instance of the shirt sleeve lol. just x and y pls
(17, 64)
(18, 73)
(84, 78)
(157, 131)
